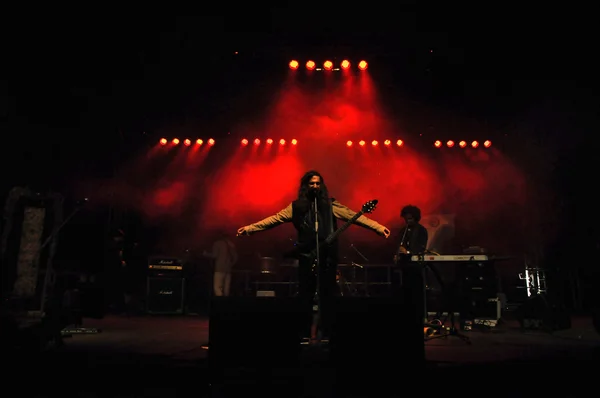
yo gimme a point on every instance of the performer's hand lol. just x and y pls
(385, 232)
(403, 250)
(243, 231)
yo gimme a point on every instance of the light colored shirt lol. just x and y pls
(224, 254)
(340, 212)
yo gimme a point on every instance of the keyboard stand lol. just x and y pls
(442, 330)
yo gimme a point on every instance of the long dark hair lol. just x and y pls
(303, 191)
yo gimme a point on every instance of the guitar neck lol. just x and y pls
(341, 229)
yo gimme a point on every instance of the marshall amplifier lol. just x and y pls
(165, 266)
(165, 295)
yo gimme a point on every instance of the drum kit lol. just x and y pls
(346, 277)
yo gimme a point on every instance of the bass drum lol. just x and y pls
(267, 265)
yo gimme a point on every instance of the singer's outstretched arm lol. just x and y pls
(343, 213)
(283, 216)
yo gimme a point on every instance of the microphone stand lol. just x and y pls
(358, 252)
(354, 266)
(403, 237)
(317, 264)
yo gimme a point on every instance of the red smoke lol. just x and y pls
(232, 186)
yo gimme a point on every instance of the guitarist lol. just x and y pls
(414, 235)
(413, 240)
(301, 214)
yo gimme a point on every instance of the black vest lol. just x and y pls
(304, 222)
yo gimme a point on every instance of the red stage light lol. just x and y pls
(175, 141)
(187, 142)
(387, 142)
(361, 143)
(163, 141)
(399, 142)
(282, 142)
(327, 65)
(199, 142)
(374, 143)
(450, 144)
(294, 64)
(437, 144)
(211, 141)
(269, 141)
(462, 144)
(345, 64)
(349, 143)
(294, 141)
(362, 65)
(244, 142)
(474, 144)
(257, 142)
(487, 143)
(310, 65)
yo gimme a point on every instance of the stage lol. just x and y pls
(167, 356)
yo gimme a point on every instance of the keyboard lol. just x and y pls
(450, 257)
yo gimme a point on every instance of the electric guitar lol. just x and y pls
(368, 207)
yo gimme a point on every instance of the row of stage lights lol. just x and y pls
(270, 141)
(210, 141)
(186, 142)
(399, 143)
(328, 65)
(437, 144)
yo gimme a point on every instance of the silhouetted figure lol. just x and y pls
(224, 255)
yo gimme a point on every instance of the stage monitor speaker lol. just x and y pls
(254, 332)
(165, 295)
(376, 336)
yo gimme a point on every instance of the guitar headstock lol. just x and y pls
(369, 206)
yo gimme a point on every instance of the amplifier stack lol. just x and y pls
(165, 286)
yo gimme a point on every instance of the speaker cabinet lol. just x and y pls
(165, 295)
(375, 337)
(543, 313)
(254, 332)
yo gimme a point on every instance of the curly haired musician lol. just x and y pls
(301, 215)
(413, 235)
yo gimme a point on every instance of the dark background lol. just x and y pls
(81, 93)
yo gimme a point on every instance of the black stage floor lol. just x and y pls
(166, 356)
